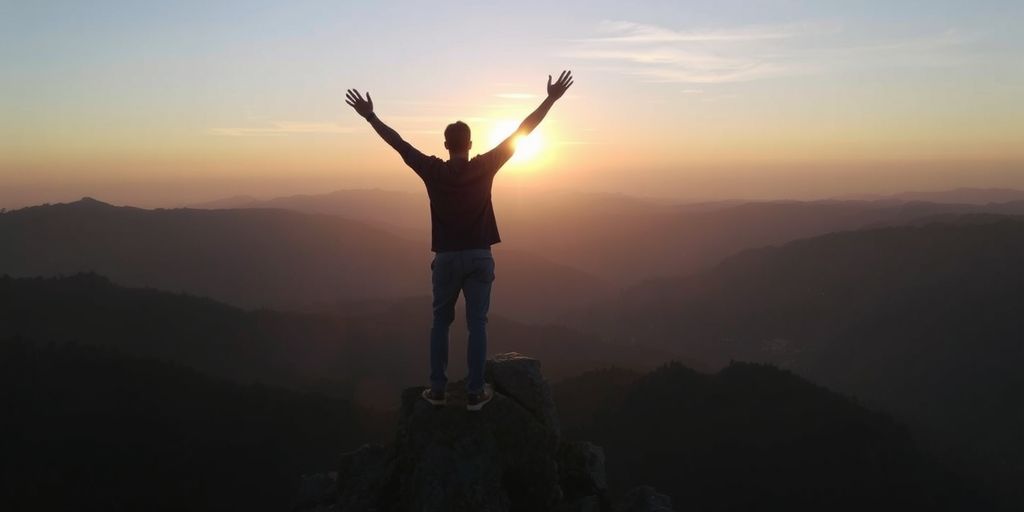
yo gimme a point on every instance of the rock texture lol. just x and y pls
(519, 378)
(500, 459)
(507, 457)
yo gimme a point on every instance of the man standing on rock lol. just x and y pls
(463, 229)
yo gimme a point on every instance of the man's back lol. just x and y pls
(461, 213)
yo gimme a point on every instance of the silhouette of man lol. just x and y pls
(463, 229)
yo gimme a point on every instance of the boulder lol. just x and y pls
(581, 469)
(501, 458)
(519, 378)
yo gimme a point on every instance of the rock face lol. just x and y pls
(449, 459)
(507, 457)
(518, 377)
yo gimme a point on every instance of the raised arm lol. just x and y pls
(555, 91)
(364, 107)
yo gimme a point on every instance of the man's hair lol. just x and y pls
(457, 136)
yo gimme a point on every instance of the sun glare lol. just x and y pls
(527, 148)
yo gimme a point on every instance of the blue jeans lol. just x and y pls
(471, 272)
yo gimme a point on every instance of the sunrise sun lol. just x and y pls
(528, 148)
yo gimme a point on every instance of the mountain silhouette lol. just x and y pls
(406, 214)
(92, 429)
(624, 240)
(968, 195)
(368, 354)
(755, 437)
(284, 259)
(258, 257)
(921, 321)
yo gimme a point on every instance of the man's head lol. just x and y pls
(456, 138)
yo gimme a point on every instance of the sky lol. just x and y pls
(167, 103)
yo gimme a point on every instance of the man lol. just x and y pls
(463, 229)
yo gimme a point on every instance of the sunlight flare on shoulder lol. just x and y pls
(530, 149)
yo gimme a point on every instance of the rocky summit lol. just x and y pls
(510, 456)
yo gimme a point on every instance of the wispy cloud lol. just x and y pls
(283, 128)
(721, 55)
(630, 32)
(660, 54)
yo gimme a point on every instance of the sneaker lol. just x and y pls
(477, 401)
(434, 398)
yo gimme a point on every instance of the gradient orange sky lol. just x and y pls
(168, 103)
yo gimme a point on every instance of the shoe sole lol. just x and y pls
(431, 400)
(477, 407)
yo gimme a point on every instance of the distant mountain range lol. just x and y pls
(923, 321)
(965, 195)
(623, 240)
(404, 213)
(260, 257)
(317, 253)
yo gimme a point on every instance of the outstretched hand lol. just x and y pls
(356, 101)
(557, 89)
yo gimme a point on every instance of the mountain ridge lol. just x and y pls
(366, 355)
(272, 258)
(920, 321)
